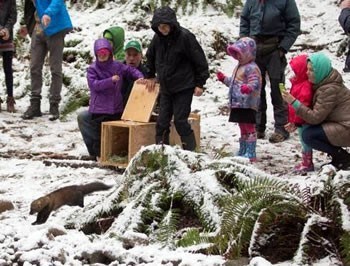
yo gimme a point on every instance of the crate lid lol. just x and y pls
(140, 103)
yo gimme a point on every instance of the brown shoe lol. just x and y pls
(11, 104)
(277, 137)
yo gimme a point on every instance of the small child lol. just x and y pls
(302, 90)
(244, 93)
(8, 17)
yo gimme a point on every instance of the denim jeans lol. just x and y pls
(90, 129)
(316, 138)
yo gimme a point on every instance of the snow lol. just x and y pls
(25, 179)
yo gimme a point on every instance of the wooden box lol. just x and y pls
(121, 140)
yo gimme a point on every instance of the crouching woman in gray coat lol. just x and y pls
(329, 114)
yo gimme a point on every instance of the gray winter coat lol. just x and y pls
(271, 18)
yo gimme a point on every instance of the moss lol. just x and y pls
(76, 100)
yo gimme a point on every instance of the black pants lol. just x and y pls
(273, 65)
(179, 106)
(96, 122)
(7, 65)
(316, 138)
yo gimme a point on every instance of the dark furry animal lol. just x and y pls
(70, 195)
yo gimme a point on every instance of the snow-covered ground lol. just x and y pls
(26, 175)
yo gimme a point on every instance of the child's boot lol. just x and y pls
(242, 146)
(251, 151)
(11, 104)
(306, 165)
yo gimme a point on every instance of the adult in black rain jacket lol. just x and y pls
(176, 60)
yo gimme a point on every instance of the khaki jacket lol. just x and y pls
(331, 109)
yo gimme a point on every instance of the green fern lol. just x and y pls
(168, 227)
(242, 210)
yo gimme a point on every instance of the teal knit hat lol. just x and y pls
(321, 65)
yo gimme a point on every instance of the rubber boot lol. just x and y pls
(11, 104)
(188, 142)
(251, 151)
(242, 146)
(306, 165)
(33, 110)
(341, 159)
(54, 111)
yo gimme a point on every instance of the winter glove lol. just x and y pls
(245, 89)
(220, 76)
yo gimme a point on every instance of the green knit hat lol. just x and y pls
(321, 65)
(133, 44)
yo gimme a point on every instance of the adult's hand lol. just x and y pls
(150, 84)
(287, 97)
(4, 33)
(198, 91)
(45, 20)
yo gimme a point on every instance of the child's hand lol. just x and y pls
(220, 76)
(115, 78)
(230, 50)
(245, 89)
(290, 127)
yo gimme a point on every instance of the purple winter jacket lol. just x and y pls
(105, 95)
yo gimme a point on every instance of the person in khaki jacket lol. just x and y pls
(329, 113)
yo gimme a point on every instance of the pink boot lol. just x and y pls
(306, 165)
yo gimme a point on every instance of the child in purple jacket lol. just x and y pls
(105, 78)
(244, 93)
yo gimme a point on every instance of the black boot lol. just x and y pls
(163, 139)
(188, 142)
(341, 159)
(54, 112)
(33, 110)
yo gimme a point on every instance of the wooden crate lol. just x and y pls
(121, 140)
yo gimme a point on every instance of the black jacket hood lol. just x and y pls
(165, 15)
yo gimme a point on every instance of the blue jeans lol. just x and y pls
(90, 128)
(316, 138)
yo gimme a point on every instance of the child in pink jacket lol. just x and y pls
(302, 90)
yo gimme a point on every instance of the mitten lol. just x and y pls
(230, 49)
(220, 76)
(245, 89)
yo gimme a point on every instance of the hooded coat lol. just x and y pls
(105, 94)
(301, 87)
(118, 37)
(247, 73)
(177, 58)
(331, 102)
(8, 18)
